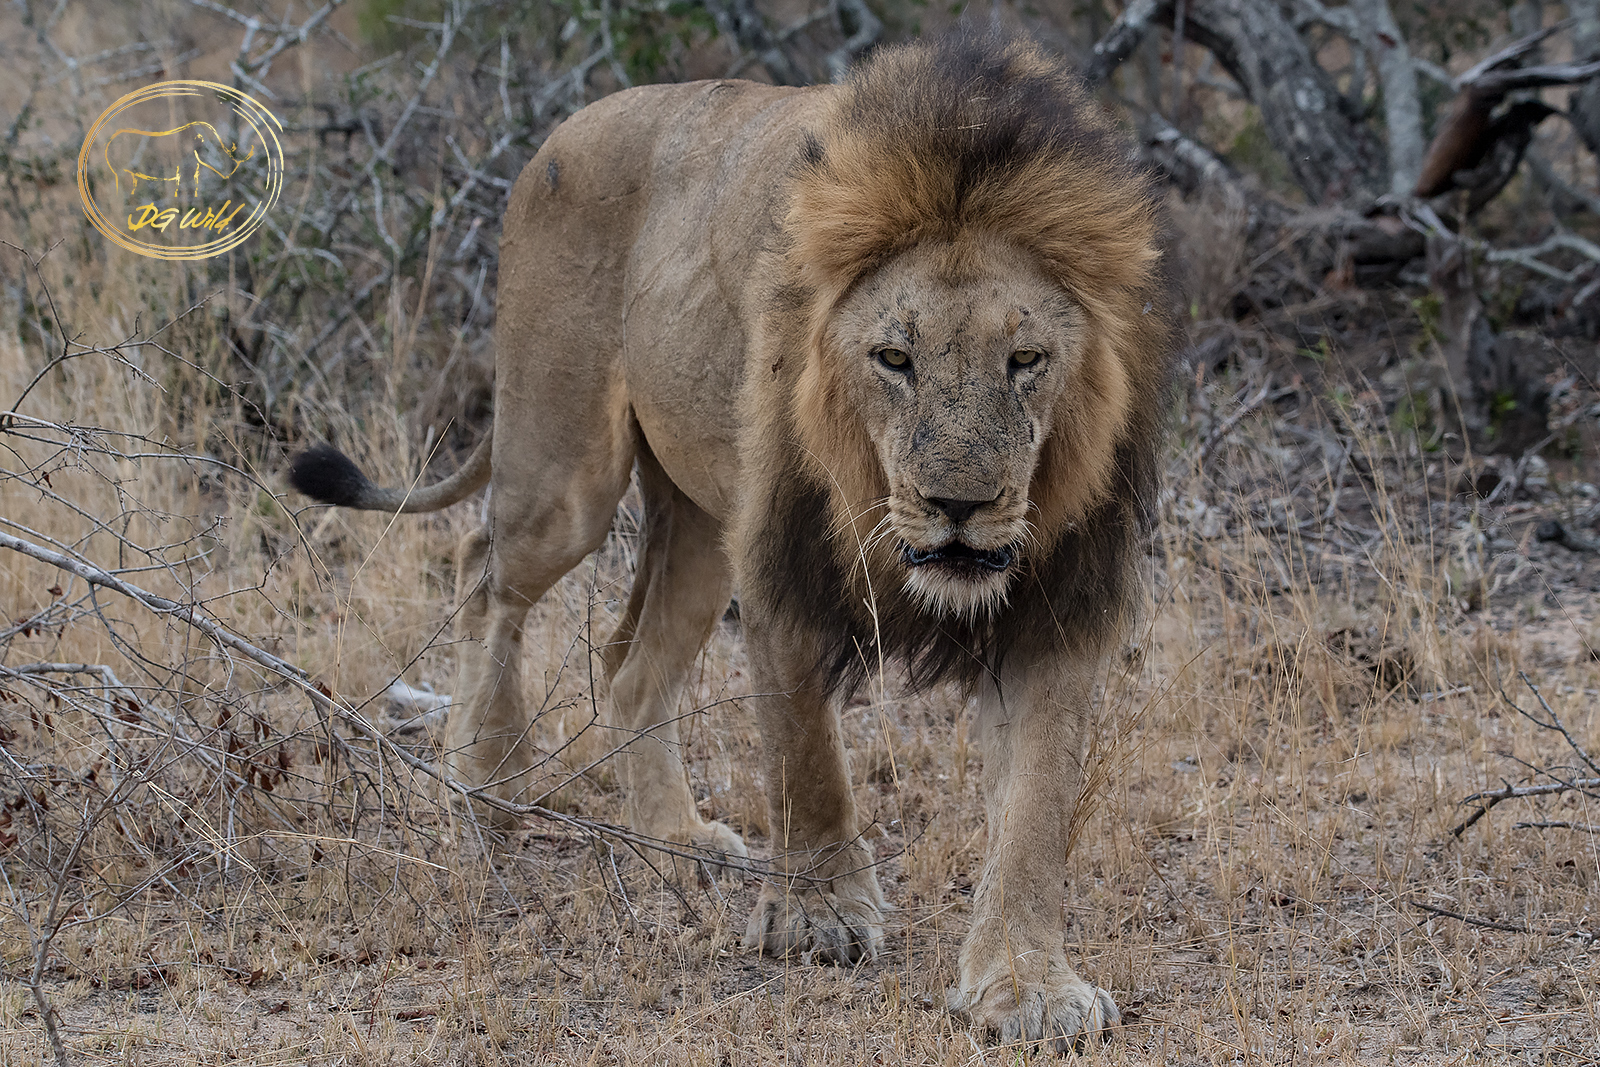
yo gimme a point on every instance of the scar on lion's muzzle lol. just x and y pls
(960, 556)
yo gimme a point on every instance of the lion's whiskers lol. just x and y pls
(1030, 534)
(869, 544)
(880, 533)
(849, 519)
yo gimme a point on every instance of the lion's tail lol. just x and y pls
(324, 473)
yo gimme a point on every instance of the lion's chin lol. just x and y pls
(957, 580)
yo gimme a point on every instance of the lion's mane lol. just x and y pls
(948, 141)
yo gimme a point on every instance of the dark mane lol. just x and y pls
(1076, 598)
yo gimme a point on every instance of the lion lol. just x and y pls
(888, 356)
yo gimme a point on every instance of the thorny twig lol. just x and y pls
(1552, 723)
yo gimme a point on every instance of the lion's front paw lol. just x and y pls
(841, 923)
(1018, 1003)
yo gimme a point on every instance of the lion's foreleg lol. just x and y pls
(825, 898)
(1034, 731)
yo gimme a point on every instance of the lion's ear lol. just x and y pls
(811, 154)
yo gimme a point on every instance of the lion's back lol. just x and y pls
(628, 247)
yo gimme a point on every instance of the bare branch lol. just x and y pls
(324, 699)
(1552, 723)
(1510, 53)
(868, 29)
(1123, 37)
(1500, 82)
(1512, 792)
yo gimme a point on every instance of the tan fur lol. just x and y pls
(703, 279)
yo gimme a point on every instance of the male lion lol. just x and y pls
(889, 354)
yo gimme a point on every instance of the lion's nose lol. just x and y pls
(958, 510)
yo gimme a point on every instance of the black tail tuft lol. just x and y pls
(324, 473)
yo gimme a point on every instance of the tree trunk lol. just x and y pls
(1464, 333)
(1402, 112)
(1328, 154)
(1306, 119)
(1585, 104)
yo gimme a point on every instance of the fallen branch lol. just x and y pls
(325, 700)
(1512, 792)
(1511, 928)
(1425, 220)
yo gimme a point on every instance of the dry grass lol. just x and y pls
(1283, 773)
(1317, 686)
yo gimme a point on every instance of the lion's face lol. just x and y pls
(956, 358)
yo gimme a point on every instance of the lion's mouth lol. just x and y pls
(960, 557)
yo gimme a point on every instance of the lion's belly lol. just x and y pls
(685, 403)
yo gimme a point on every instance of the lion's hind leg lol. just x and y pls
(504, 567)
(681, 587)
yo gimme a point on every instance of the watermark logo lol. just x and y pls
(181, 169)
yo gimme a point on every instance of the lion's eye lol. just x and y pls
(893, 358)
(1025, 358)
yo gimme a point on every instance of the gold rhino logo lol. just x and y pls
(196, 142)
(167, 177)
